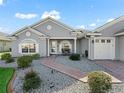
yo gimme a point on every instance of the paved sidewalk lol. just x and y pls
(75, 73)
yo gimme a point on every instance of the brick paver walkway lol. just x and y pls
(75, 73)
(116, 68)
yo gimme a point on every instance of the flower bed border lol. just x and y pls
(10, 88)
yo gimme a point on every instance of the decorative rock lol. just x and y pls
(57, 82)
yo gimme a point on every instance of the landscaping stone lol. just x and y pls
(57, 82)
(4, 64)
(84, 64)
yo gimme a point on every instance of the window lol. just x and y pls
(54, 46)
(28, 46)
(97, 40)
(103, 41)
(108, 41)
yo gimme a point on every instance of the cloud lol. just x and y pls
(93, 24)
(4, 30)
(110, 19)
(25, 16)
(98, 20)
(53, 13)
(81, 26)
(1, 2)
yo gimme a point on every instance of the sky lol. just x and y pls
(86, 14)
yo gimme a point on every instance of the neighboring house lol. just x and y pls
(50, 36)
(5, 42)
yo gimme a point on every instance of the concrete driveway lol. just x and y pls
(116, 68)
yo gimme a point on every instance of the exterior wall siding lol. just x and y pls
(116, 49)
(78, 46)
(56, 30)
(5, 45)
(113, 29)
(121, 47)
(84, 45)
(21, 37)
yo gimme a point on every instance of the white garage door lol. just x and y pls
(104, 48)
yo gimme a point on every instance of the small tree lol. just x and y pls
(99, 82)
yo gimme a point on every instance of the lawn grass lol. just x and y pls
(5, 76)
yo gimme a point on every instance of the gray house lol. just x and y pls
(5, 42)
(50, 36)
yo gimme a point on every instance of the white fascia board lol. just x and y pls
(32, 30)
(119, 34)
(36, 32)
(63, 37)
(94, 34)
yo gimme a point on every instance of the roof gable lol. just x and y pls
(109, 24)
(30, 29)
(41, 22)
(54, 21)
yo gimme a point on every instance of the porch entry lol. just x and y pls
(60, 47)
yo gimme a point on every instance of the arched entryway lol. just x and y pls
(65, 47)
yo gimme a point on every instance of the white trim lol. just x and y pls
(89, 49)
(94, 34)
(104, 37)
(48, 54)
(5, 38)
(119, 34)
(16, 34)
(75, 45)
(20, 49)
(36, 31)
(62, 37)
(56, 52)
(32, 30)
(43, 37)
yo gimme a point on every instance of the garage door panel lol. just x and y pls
(104, 50)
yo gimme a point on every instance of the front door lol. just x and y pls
(54, 47)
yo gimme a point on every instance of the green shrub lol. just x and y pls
(36, 56)
(6, 56)
(99, 82)
(30, 74)
(24, 61)
(75, 57)
(31, 81)
(10, 60)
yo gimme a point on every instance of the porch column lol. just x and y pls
(48, 51)
(75, 45)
